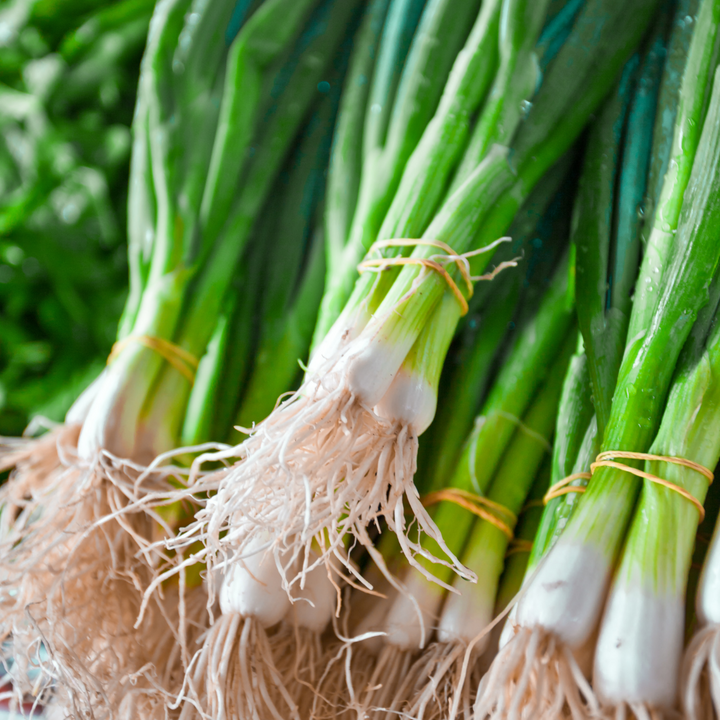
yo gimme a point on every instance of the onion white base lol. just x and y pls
(567, 592)
(637, 657)
(414, 613)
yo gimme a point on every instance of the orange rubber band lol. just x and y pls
(697, 467)
(474, 504)
(600, 461)
(460, 261)
(563, 487)
(182, 360)
(383, 263)
(604, 460)
(518, 545)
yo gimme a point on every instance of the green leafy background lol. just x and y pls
(68, 77)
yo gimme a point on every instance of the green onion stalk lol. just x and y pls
(362, 407)
(562, 603)
(644, 614)
(475, 352)
(577, 441)
(388, 121)
(606, 237)
(537, 231)
(467, 611)
(411, 615)
(217, 215)
(518, 553)
(468, 675)
(283, 275)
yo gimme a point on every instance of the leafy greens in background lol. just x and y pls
(68, 79)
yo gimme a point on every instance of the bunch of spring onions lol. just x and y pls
(601, 541)
(204, 308)
(340, 454)
(486, 230)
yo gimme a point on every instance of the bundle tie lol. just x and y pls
(563, 487)
(182, 360)
(604, 459)
(460, 260)
(532, 504)
(518, 545)
(474, 504)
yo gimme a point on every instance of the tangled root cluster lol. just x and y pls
(72, 575)
(701, 675)
(443, 680)
(317, 473)
(535, 677)
(233, 675)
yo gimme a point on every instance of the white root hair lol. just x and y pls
(347, 663)
(700, 684)
(381, 692)
(298, 655)
(535, 677)
(431, 688)
(74, 564)
(233, 676)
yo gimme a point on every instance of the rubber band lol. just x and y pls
(605, 459)
(532, 504)
(474, 504)
(461, 261)
(563, 487)
(518, 545)
(462, 264)
(182, 360)
(697, 467)
(600, 461)
(383, 263)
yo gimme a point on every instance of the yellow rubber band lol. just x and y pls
(474, 504)
(531, 504)
(654, 478)
(182, 360)
(383, 263)
(518, 545)
(460, 261)
(605, 459)
(563, 487)
(610, 454)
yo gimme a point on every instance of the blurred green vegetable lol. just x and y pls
(68, 78)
